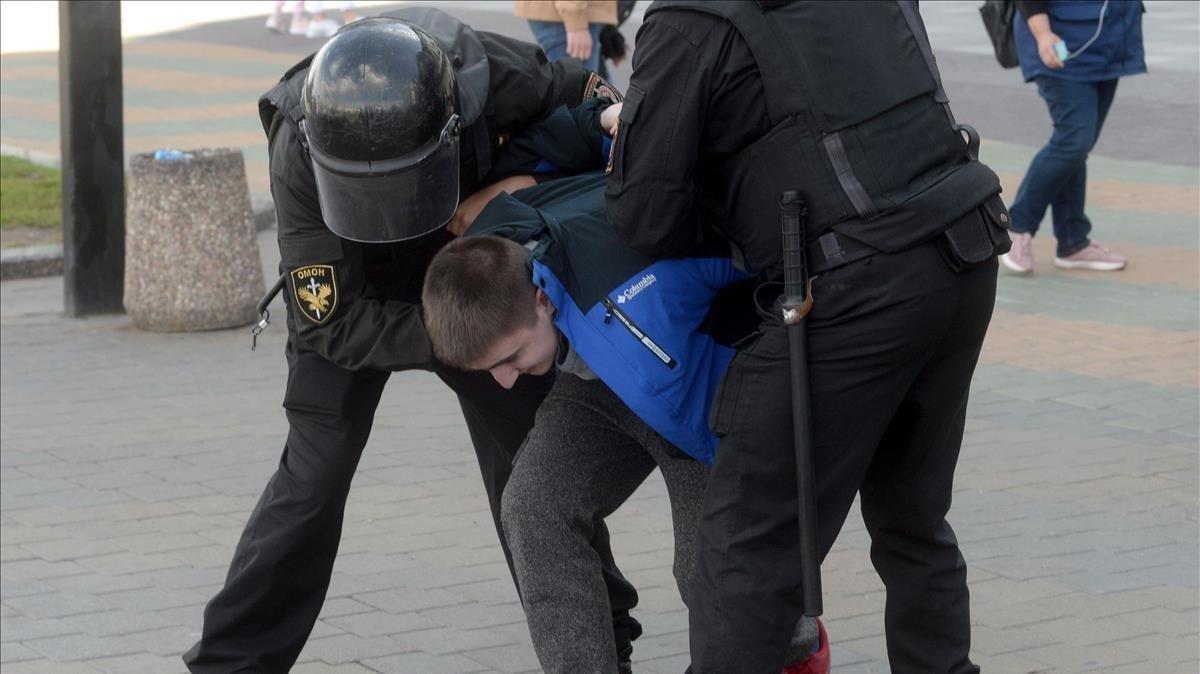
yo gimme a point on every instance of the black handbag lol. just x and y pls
(624, 9)
(998, 20)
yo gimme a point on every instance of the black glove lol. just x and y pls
(612, 43)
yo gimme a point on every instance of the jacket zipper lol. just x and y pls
(638, 334)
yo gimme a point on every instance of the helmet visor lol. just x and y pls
(403, 204)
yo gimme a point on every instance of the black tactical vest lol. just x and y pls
(860, 127)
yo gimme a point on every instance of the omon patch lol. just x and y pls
(315, 288)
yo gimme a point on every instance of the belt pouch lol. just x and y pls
(977, 236)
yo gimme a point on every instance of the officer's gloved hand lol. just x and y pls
(612, 44)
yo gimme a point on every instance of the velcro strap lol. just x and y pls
(854, 190)
(833, 251)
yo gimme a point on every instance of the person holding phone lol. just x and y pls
(1075, 52)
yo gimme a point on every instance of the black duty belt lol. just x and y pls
(833, 250)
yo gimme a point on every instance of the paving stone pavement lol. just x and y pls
(130, 461)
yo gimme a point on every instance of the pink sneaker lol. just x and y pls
(1094, 257)
(1019, 258)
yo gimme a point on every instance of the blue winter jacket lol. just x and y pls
(635, 321)
(1116, 52)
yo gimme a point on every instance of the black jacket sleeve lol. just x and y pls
(651, 177)
(695, 99)
(1030, 8)
(361, 332)
(567, 142)
(523, 86)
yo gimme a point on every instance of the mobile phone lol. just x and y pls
(1060, 48)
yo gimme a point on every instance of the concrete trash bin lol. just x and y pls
(191, 250)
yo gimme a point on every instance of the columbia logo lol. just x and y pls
(633, 290)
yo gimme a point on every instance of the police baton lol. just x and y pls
(797, 302)
(264, 316)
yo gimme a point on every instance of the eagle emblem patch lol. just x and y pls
(598, 87)
(315, 287)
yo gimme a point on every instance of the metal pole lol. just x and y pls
(93, 156)
(797, 302)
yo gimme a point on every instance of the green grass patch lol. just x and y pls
(30, 195)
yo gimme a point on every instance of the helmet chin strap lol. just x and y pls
(304, 137)
(451, 131)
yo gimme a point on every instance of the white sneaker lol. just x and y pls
(275, 23)
(322, 28)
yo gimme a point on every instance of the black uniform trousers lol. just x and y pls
(281, 568)
(893, 343)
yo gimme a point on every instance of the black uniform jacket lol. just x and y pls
(371, 317)
(704, 98)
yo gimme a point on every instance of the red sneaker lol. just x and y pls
(817, 663)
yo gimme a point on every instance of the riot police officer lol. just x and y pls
(730, 105)
(372, 141)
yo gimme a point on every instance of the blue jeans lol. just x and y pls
(1057, 177)
(552, 37)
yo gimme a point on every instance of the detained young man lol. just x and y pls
(541, 282)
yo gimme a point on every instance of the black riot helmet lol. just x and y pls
(381, 128)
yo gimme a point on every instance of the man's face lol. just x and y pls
(529, 350)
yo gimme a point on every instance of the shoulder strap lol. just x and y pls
(285, 96)
(913, 18)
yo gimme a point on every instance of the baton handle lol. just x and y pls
(795, 265)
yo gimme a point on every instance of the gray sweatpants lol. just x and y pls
(585, 456)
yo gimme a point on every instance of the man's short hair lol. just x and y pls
(478, 290)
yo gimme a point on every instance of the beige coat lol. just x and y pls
(575, 14)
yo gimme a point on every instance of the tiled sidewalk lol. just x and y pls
(131, 460)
